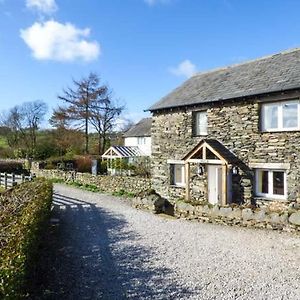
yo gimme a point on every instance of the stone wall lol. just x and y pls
(109, 184)
(287, 219)
(237, 127)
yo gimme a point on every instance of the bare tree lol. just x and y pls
(33, 114)
(60, 119)
(23, 122)
(103, 118)
(80, 100)
(13, 121)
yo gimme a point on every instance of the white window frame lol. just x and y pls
(174, 181)
(196, 129)
(270, 194)
(280, 106)
(141, 140)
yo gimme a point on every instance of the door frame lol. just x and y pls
(215, 172)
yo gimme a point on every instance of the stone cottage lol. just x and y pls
(231, 134)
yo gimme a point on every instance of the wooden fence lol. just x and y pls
(10, 180)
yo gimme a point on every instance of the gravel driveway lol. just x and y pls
(104, 249)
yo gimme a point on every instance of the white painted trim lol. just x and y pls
(206, 161)
(175, 183)
(270, 194)
(280, 116)
(198, 126)
(280, 166)
(181, 185)
(175, 162)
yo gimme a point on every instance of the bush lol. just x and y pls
(63, 163)
(24, 211)
(83, 164)
(102, 167)
(12, 167)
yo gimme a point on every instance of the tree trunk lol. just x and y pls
(87, 130)
(99, 145)
(103, 143)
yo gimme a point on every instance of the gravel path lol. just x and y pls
(104, 249)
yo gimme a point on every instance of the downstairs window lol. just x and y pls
(177, 174)
(271, 183)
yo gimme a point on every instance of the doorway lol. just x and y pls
(214, 182)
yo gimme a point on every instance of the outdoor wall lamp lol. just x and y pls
(235, 170)
(200, 170)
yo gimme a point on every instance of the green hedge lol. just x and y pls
(24, 212)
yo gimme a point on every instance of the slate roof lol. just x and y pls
(142, 128)
(273, 73)
(219, 147)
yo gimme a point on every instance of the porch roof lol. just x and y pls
(122, 152)
(216, 147)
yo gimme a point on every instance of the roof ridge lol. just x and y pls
(226, 67)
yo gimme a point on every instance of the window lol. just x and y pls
(281, 116)
(200, 123)
(177, 174)
(271, 183)
(141, 140)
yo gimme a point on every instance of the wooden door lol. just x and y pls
(214, 181)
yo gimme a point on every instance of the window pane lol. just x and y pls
(178, 174)
(278, 183)
(290, 115)
(263, 182)
(201, 123)
(141, 140)
(270, 117)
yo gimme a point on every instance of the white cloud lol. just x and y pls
(52, 40)
(153, 2)
(43, 6)
(185, 68)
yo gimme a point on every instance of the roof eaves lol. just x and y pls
(237, 97)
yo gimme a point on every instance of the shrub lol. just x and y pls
(142, 167)
(83, 164)
(12, 167)
(59, 162)
(24, 211)
(102, 167)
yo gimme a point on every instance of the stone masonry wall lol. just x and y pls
(272, 217)
(237, 127)
(105, 183)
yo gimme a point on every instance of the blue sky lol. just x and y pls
(142, 48)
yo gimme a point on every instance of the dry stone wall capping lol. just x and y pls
(286, 220)
(237, 127)
(276, 215)
(109, 184)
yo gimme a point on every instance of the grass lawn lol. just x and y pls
(3, 142)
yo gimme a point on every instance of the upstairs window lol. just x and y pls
(281, 116)
(141, 140)
(200, 123)
(271, 183)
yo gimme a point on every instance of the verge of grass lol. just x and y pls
(93, 188)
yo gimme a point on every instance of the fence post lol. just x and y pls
(5, 180)
(13, 179)
(23, 178)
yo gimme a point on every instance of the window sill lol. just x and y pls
(178, 185)
(271, 198)
(280, 130)
(200, 135)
